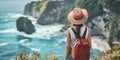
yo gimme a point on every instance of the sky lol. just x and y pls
(12, 5)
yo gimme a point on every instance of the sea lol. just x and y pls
(47, 40)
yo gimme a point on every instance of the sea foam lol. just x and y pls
(3, 44)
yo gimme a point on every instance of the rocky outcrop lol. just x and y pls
(64, 28)
(23, 24)
(55, 11)
(49, 11)
(32, 9)
(99, 28)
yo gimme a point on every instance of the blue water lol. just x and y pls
(47, 39)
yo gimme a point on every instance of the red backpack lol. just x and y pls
(81, 48)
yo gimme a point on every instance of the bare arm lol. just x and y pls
(68, 44)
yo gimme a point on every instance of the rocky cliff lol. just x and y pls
(49, 11)
(103, 14)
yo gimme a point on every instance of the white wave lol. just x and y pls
(35, 49)
(44, 32)
(12, 59)
(95, 45)
(3, 44)
(21, 15)
(62, 40)
(9, 31)
(6, 19)
(23, 40)
(6, 43)
(16, 15)
(12, 15)
(48, 31)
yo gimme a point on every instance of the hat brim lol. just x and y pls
(81, 21)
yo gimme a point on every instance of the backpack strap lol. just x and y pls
(84, 34)
(75, 32)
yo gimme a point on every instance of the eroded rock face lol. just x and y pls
(33, 9)
(28, 10)
(23, 24)
(55, 11)
(48, 11)
(52, 13)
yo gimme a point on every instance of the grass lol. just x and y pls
(113, 54)
(43, 6)
(35, 56)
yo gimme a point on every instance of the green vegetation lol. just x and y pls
(114, 24)
(35, 56)
(64, 19)
(51, 57)
(94, 8)
(115, 21)
(43, 6)
(113, 5)
(90, 5)
(38, 6)
(113, 54)
(22, 56)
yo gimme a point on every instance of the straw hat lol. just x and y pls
(78, 16)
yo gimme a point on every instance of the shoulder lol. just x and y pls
(86, 27)
(68, 30)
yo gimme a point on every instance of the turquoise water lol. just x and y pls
(47, 39)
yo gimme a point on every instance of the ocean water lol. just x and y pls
(46, 40)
